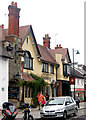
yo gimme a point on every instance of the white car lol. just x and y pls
(59, 107)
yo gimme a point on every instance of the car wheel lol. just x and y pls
(75, 112)
(65, 115)
(30, 117)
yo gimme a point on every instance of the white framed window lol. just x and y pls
(77, 81)
(66, 69)
(81, 81)
(52, 69)
(45, 67)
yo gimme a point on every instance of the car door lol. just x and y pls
(68, 106)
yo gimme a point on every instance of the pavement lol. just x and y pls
(36, 113)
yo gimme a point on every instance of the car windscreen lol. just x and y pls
(57, 101)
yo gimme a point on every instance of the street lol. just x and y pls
(81, 116)
(36, 114)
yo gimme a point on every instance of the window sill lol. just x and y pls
(28, 68)
(45, 72)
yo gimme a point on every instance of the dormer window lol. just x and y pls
(66, 69)
(28, 61)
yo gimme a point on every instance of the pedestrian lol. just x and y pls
(40, 97)
(43, 102)
(77, 101)
(47, 97)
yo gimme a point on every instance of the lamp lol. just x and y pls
(22, 59)
(77, 52)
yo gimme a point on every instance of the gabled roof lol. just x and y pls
(62, 51)
(23, 30)
(45, 55)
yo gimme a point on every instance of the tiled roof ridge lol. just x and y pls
(48, 52)
(25, 26)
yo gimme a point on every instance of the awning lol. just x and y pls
(27, 77)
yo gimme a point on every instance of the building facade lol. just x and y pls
(52, 65)
(4, 73)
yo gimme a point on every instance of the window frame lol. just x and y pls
(28, 61)
(45, 67)
(66, 69)
(51, 69)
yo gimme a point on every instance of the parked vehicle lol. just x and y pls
(59, 107)
(27, 111)
(9, 111)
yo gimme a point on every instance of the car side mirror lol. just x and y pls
(67, 103)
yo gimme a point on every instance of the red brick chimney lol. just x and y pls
(13, 26)
(58, 46)
(46, 41)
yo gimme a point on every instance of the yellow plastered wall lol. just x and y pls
(60, 75)
(37, 64)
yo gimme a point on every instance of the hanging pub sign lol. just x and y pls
(72, 80)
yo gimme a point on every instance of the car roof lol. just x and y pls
(62, 97)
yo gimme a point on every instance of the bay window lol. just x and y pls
(66, 69)
(28, 61)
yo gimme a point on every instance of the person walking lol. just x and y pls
(77, 101)
(47, 97)
(40, 97)
(43, 102)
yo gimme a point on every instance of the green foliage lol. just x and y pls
(37, 85)
(20, 82)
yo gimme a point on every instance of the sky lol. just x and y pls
(63, 20)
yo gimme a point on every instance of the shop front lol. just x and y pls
(80, 92)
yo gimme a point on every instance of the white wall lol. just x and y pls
(79, 83)
(3, 80)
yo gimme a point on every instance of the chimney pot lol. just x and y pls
(16, 4)
(59, 45)
(45, 35)
(12, 3)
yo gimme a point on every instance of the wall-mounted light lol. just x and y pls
(22, 59)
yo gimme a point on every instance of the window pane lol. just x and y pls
(44, 67)
(64, 69)
(25, 91)
(51, 68)
(29, 92)
(68, 69)
(31, 63)
(28, 62)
